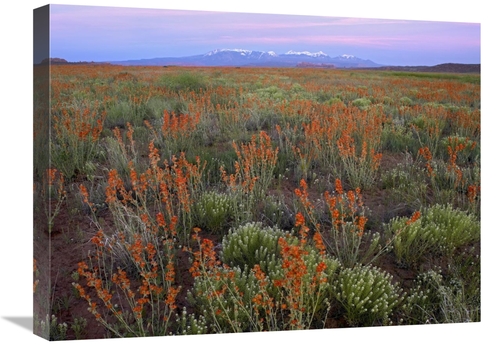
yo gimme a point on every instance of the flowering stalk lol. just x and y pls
(55, 186)
(307, 206)
(455, 145)
(474, 198)
(162, 195)
(304, 285)
(360, 167)
(347, 232)
(426, 153)
(256, 163)
(253, 174)
(77, 132)
(176, 132)
(429, 127)
(216, 282)
(150, 305)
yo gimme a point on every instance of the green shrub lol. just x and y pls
(397, 138)
(275, 212)
(435, 299)
(466, 267)
(453, 228)
(185, 81)
(406, 183)
(367, 295)
(421, 303)
(190, 324)
(117, 159)
(51, 328)
(388, 100)
(79, 327)
(272, 93)
(405, 101)
(158, 104)
(322, 96)
(296, 87)
(126, 111)
(440, 230)
(214, 212)
(362, 103)
(252, 244)
(333, 100)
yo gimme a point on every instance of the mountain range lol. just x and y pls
(252, 58)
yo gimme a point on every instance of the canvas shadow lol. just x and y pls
(25, 322)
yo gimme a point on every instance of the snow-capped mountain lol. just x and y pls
(347, 57)
(244, 57)
(219, 51)
(242, 52)
(306, 53)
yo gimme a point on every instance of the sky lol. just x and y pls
(99, 33)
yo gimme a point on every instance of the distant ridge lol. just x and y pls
(59, 61)
(248, 58)
(314, 65)
(253, 58)
(441, 68)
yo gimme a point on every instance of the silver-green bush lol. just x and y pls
(440, 230)
(252, 244)
(214, 212)
(367, 294)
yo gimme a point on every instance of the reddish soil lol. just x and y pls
(68, 244)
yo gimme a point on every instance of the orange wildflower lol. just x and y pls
(426, 153)
(338, 186)
(299, 219)
(416, 215)
(51, 175)
(321, 267)
(85, 194)
(318, 242)
(472, 192)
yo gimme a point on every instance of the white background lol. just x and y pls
(16, 166)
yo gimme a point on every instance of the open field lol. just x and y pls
(214, 200)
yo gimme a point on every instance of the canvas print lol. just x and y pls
(200, 172)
